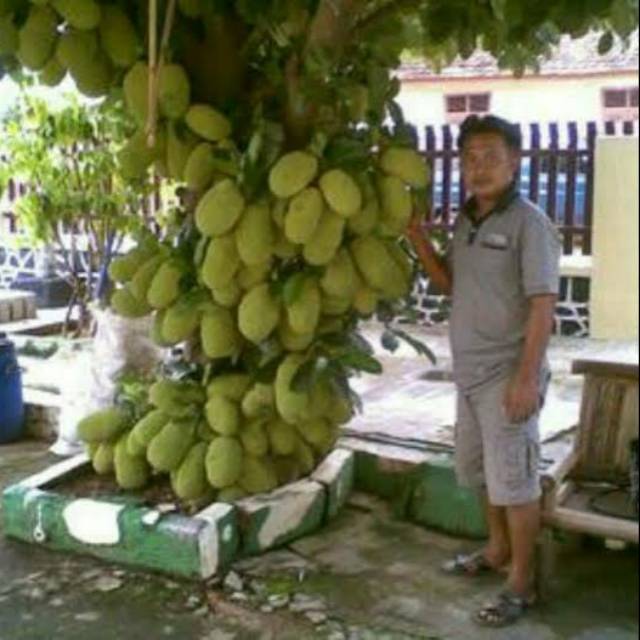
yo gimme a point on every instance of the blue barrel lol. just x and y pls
(11, 403)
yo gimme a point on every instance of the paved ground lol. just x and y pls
(367, 577)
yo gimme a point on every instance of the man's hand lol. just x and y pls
(522, 399)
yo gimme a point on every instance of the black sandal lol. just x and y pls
(506, 611)
(468, 566)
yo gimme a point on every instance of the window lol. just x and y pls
(620, 104)
(461, 106)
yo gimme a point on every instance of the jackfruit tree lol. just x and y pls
(278, 121)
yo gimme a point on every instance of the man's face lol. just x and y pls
(488, 165)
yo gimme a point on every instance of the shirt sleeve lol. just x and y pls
(541, 250)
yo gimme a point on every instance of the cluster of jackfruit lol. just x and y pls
(229, 440)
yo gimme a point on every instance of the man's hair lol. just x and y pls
(475, 125)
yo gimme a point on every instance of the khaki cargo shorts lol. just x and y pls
(494, 454)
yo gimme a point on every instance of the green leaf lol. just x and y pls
(293, 288)
(606, 43)
(359, 361)
(420, 347)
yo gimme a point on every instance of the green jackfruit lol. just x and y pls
(228, 296)
(316, 432)
(74, 47)
(231, 495)
(132, 472)
(224, 462)
(208, 123)
(103, 460)
(282, 438)
(169, 448)
(124, 268)
(9, 6)
(156, 329)
(219, 334)
(254, 439)
(321, 397)
(190, 8)
(303, 216)
(259, 401)
(148, 428)
(366, 220)
(232, 386)
(9, 37)
(134, 446)
(221, 262)
(223, 416)
(279, 212)
(341, 278)
(322, 248)
(180, 146)
(258, 314)
(136, 157)
(93, 77)
(80, 14)
(91, 449)
(176, 399)
(287, 469)
(284, 248)
(379, 269)
(402, 259)
(397, 206)
(141, 281)
(136, 91)
(305, 456)
(52, 74)
(258, 476)
(181, 321)
(118, 37)
(292, 405)
(304, 312)
(292, 173)
(174, 91)
(220, 209)
(204, 432)
(366, 301)
(333, 306)
(291, 340)
(251, 276)
(200, 169)
(191, 478)
(37, 38)
(102, 426)
(125, 304)
(165, 286)
(358, 100)
(341, 192)
(406, 164)
(341, 410)
(255, 235)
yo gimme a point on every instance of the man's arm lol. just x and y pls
(434, 265)
(523, 395)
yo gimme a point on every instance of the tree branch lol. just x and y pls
(386, 12)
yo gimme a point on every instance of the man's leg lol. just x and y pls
(498, 551)
(524, 528)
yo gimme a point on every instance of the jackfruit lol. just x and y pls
(366, 220)
(304, 312)
(321, 397)
(200, 168)
(259, 401)
(181, 321)
(136, 91)
(134, 447)
(322, 248)
(165, 286)
(204, 432)
(251, 276)
(340, 278)
(208, 123)
(254, 439)
(219, 209)
(9, 37)
(292, 173)
(118, 36)
(340, 411)
(279, 212)
(176, 399)
(9, 6)
(221, 262)
(333, 306)
(191, 478)
(402, 259)
(231, 495)
(125, 304)
(74, 47)
(258, 476)
(366, 301)
(397, 206)
(282, 438)
(224, 462)
(141, 281)
(156, 330)
(174, 91)
(316, 432)
(223, 416)
(190, 8)
(135, 158)
(305, 456)
(103, 459)
(287, 469)
(102, 426)
(37, 38)
(131, 472)
(52, 74)
(219, 334)
(83, 14)
(292, 405)
(284, 248)
(258, 314)
(147, 429)
(228, 296)
(124, 268)
(342, 193)
(180, 146)
(379, 269)
(91, 448)
(93, 77)
(358, 102)
(291, 340)
(254, 235)
(303, 216)
(169, 448)
(406, 164)
(232, 386)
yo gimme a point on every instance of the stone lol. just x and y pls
(37, 594)
(279, 601)
(106, 584)
(239, 596)
(304, 604)
(193, 602)
(233, 582)
(56, 602)
(316, 617)
(87, 616)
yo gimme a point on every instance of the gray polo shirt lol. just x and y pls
(498, 264)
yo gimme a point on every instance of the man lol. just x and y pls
(503, 273)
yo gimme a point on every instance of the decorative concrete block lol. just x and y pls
(337, 475)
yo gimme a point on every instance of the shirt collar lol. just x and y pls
(507, 199)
